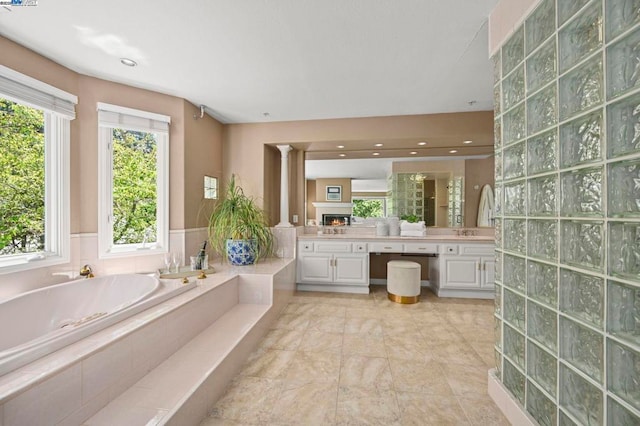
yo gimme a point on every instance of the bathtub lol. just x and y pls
(42, 321)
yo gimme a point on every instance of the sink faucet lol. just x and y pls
(466, 232)
(86, 271)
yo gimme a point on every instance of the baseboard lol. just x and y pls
(466, 294)
(359, 289)
(511, 408)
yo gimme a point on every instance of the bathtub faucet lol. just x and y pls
(86, 272)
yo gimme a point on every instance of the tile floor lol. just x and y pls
(344, 359)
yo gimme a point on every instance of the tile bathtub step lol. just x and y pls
(180, 379)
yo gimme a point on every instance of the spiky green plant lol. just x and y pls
(237, 216)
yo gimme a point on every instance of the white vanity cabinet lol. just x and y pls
(456, 268)
(344, 266)
(465, 269)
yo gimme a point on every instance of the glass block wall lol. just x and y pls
(406, 195)
(567, 126)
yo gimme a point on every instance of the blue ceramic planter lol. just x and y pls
(242, 252)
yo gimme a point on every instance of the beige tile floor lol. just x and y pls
(344, 359)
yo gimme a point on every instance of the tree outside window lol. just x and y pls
(368, 207)
(22, 179)
(134, 187)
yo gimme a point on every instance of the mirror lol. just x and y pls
(443, 191)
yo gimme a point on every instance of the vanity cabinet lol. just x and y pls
(342, 265)
(456, 269)
(466, 267)
(468, 272)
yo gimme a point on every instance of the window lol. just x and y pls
(134, 184)
(34, 172)
(369, 207)
(210, 188)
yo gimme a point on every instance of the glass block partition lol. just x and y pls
(567, 143)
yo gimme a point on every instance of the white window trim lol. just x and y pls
(106, 248)
(59, 109)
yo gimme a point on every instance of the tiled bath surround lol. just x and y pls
(70, 385)
(567, 120)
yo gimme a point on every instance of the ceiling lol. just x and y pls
(267, 60)
(254, 61)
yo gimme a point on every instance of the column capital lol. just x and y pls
(284, 149)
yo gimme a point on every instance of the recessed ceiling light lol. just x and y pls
(343, 155)
(413, 152)
(378, 144)
(128, 62)
(467, 142)
(422, 143)
(376, 153)
(340, 146)
(453, 151)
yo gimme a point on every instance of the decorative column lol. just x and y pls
(284, 186)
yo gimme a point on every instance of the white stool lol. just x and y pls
(403, 281)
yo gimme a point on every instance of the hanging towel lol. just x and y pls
(486, 207)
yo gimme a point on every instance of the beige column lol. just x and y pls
(284, 187)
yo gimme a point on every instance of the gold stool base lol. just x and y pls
(405, 300)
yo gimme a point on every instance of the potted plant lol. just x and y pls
(238, 228)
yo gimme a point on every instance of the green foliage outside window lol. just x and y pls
(134, 187)
(368, 207)
(22, 210)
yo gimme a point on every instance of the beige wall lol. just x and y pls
(197, 143)
(271, 188)
(368, 194)
(454, 166)
(195, 150)
(311, 197)
(202, 156)
(321, 189)
(243, 143)
(477, 173)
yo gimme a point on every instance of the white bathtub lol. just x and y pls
(42, 321)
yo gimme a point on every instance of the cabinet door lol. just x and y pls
(461, 272)
(315, 268)
(351, 269)
(488, 272)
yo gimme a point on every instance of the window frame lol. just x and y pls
(106, 248)
(58, 109)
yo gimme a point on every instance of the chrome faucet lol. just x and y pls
(466, 232)
(86, 271)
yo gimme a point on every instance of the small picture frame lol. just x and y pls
(334, 193)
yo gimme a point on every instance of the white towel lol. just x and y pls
(486, 207)
(406, 226)
(413, 233)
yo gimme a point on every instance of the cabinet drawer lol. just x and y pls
(306, 246)
(449, 249)
(332, 247)
(420, 248)
(360, 248)
(386, 247)
(477, 249)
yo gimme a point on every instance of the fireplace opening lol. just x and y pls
(336, 220)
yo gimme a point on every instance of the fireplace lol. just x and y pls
(336, 219)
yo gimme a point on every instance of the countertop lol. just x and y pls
(429, 238)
